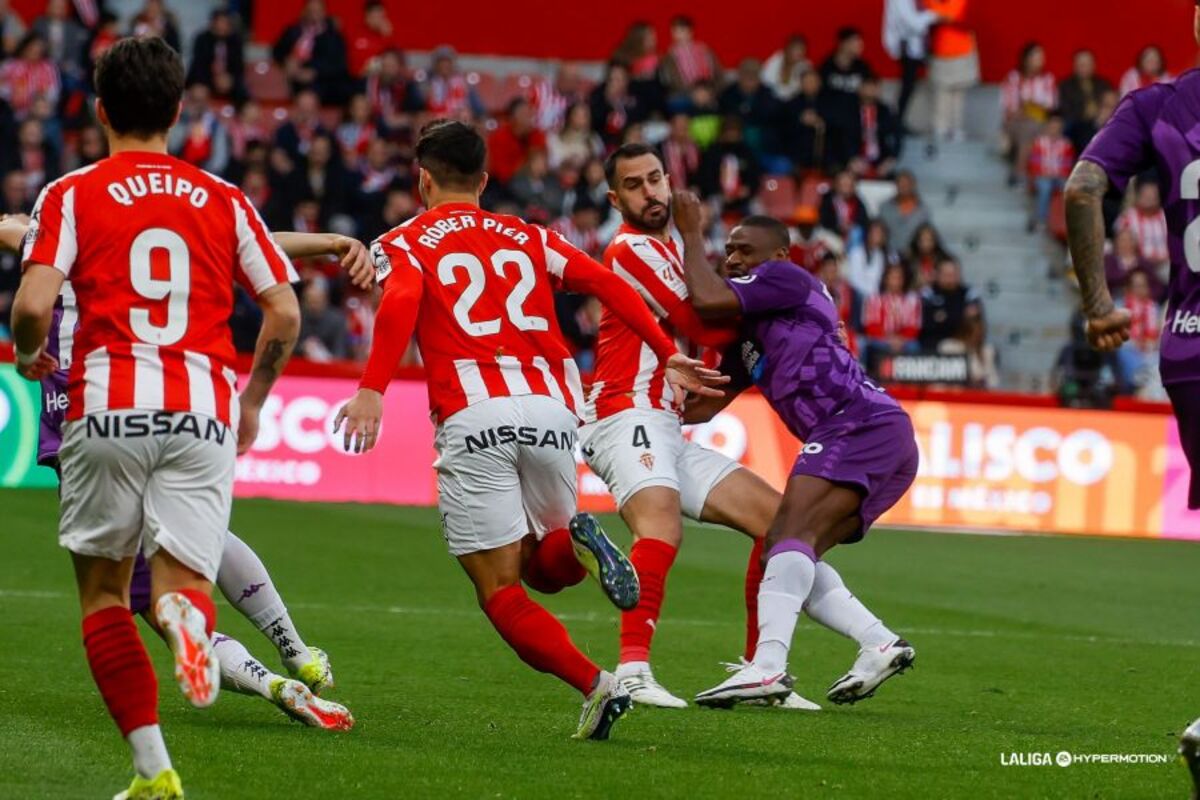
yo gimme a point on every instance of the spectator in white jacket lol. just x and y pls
(905, 28)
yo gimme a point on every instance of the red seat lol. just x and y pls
(778, 195)
(811, 190)
(1058, 217)
(266, 82)
(490, 91)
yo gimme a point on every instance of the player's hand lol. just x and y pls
(690, 375)
(687, 211)
(361, 416)
(356, 260)
(1110, 331)
(247, 425)
(39, 368)
(843, 334)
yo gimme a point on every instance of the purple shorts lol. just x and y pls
(1185, 401)
(877, 454)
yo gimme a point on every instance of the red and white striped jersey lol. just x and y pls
(1019, 91)
(152, 246)
(628, 375)
(1151, 233)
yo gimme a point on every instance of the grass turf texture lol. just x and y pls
(1024, 645)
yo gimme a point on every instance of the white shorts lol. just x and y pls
(506, 468)
(143, 480)
(637, 448)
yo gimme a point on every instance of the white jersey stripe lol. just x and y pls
(543, 366)
(628, 277)
(514, 377)
(251, 260)
(471, 380)
(95, 381)
(202, 394)
(647, 366)
(66, 326)
(148, 379)
(235, 408)
(574, 384)
(68, 245)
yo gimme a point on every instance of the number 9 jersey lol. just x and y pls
(152, 246)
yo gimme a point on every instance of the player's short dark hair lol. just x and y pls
(769, 224)
(625, 151)
(139, 80)
(847, 33)
(452, 152)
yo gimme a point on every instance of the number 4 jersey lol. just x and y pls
(478, 288)
(152, 247)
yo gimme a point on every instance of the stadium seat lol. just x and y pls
(266, 82)
(517, 85)
(812, 188)
(490, 90)
(778, 195)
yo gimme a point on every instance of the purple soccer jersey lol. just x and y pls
(1159, 126)
(790, 350)
(54, 386)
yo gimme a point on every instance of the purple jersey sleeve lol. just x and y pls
(1124, 147)
(772, 287)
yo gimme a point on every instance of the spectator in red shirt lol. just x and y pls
(447, 91)
(1029, 94)
(810, 242)
(1150, 68)
(923, 253)
(217, 58)
(393, 94)
(842, 210)
(357, 131)
(1136, 358)
(374, 37)
(687, 61)
(313, 54)
(680, 155)
(553, 100)
(1148, 223)
(892, 317)
(28, 75)
(511, 143)
(1124, 259)
(1050, 160)
(845, 298)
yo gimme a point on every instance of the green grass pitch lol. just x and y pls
(1024, 645)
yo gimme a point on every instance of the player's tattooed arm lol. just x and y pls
(1107, 325)
(276, 340)
(13, 228)
(707, 291)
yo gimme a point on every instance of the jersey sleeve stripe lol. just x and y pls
(95, 381)
(647, 366)
(147, 376)
(574, 384)
(66, 327)
(261, 261)
(514, 377)
(543, 366)
(68, 245)
(201, 391)
(556, 261)
(471, 380)
(627, 276)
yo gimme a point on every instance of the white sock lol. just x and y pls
(149, 750)
(831, 604)
(248, 587)
(785, 586)
(241, 671)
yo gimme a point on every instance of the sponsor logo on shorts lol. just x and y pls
(1185, 322)
(158, 423)
(647, 460)
(526, 435)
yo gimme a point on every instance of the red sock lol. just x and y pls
(754, 574)
(554, 566)
(539, 639)
(121, 668)
(206, 607)
(652, 559)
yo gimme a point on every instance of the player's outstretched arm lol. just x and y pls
(352, 253)
(1107, 326)
(13, 228)
(276, 340)
(701, 408)
(710, 295)
(32, 311)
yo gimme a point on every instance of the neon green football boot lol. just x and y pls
(163, 786)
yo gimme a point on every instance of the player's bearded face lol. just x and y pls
(643, 193)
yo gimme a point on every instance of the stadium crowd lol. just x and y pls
(334, 151)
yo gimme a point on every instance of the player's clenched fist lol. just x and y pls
(1109, 331)
(361, 416)
(688, 211)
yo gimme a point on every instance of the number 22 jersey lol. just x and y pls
(152, 247)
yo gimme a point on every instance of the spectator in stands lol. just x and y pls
(1050, 161)
(905, 31)
(847, 301)
(106, 34)
(538, 190)
(868, 258)
(749, 99)
(312, 54)
(377, 177)
(1123, 259)
(843, 211)
(680, 155)
(953, 68)
(904, 213)
(1149, 68)
(842, 77)
(891, 316)
(247, 128)
(923, 253)
(327, 181)
(356, 131)
(582, 227)
(155, 20)
(971, 340)
(729, 169)
(199, 137)
(12, 29)
(1082, 132)
(91, 146)
(374, 36)
(687, 61)
(28, 75)
(304, 123)
(703, 108)
(12, 194)
(575, 142)
(447, 91)
(810, 243)
(1136, 359)
(509, 146)
(804, 122)
(1029, 94)
(322, 327)
(946, 304)
(638, 51)
(613, 107)
(552, 100)
(591, 182)
(397, 207)
(217, 59)
(36, 160)
(393, 94)
(783, 70)
(65, 38)
(1079, 95)
(1148, 223)
(875, 138)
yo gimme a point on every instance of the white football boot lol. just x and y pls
(873, 666)
(638, 680)
(1189, 751)
(793, 702)
(747, 683)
